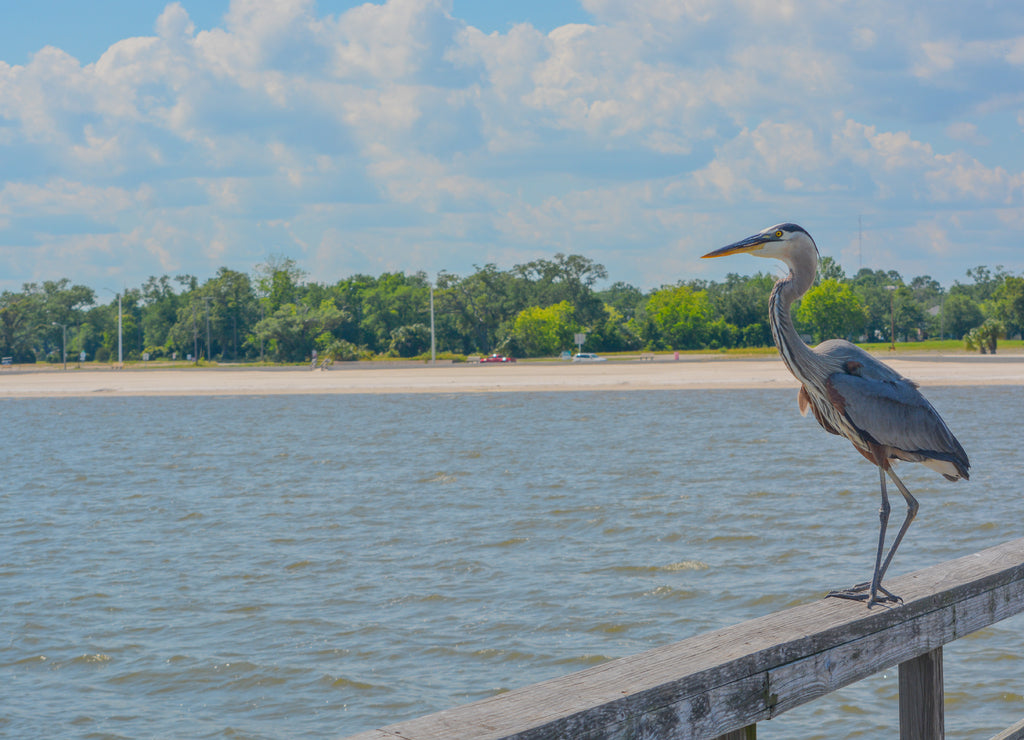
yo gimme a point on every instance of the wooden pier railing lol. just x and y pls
(720, 684)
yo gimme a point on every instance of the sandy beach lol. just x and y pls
(697, 373)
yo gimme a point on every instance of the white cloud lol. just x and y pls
(938, 177)
(397, 126)
(878, 151)
(395, 41)
(63, 197)
(863, 38)
(965, 131)
(652, 11)
(937, 57)
(963, 177)
(953, 60)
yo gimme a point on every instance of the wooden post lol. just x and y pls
(747, 733)
(921, 711)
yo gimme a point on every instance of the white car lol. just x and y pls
(588, 357)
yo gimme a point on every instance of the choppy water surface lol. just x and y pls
(317, 566)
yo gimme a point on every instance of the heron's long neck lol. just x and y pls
(799, 358)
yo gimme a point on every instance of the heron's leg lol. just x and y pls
(912, 507)
(883, 523)
(868, 591)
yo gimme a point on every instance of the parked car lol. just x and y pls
(588, 357)
(497, 358)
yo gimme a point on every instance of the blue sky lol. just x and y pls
(146, 138)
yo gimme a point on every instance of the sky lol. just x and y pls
(141, 138)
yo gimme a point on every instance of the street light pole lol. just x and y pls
(433, 343)
(892, 316)
(120, 345)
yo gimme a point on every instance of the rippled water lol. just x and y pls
(317, 566)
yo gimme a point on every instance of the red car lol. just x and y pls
(497, 358)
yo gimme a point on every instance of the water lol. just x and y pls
(270, 567)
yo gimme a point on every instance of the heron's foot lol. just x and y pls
(863, 592)
(853, 594)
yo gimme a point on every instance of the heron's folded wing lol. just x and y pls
(895, 414)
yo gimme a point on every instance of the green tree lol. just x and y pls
(188, 335)
(479, 308)
(985, 337)
(394, 300)
(347, 295)
(613, 334)
(410, 340)
(872, 286)
(833, 310)
(233, 309)
(18, 320)
(676, 318)
(544, 331)
(926, 290)
(30, 325)
(1009, 304)
(565, 278)
(131, 326)
(928, 295)
(279, 281)
(161, 304)
(214, 320)
(624, 298)
(99, 326)
(829, 269)
(986, 282)
(960, 314)
(910, 319)
(293, 331)
(742, 303)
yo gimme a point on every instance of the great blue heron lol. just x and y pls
(853, 395)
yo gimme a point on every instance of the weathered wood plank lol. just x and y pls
(821, 673)
(1012, 733)
(921, 697)
(725, 680)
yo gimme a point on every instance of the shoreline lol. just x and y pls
(689, 373)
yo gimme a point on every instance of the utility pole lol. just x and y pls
(860, 243)
(892, 317)
(433, 343)
(120, 344)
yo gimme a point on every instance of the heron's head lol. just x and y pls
(786, 242)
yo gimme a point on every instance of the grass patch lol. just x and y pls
(939, 345)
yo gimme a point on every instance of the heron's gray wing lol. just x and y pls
(895, 414)
(846, 354)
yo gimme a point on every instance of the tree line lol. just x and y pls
(531, 310)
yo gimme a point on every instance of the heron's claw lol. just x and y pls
(863, 592)
(853, 594)
(889, 596)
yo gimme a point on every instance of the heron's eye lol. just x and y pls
(778, 234)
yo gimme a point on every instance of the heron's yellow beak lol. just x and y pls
(750, 244)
